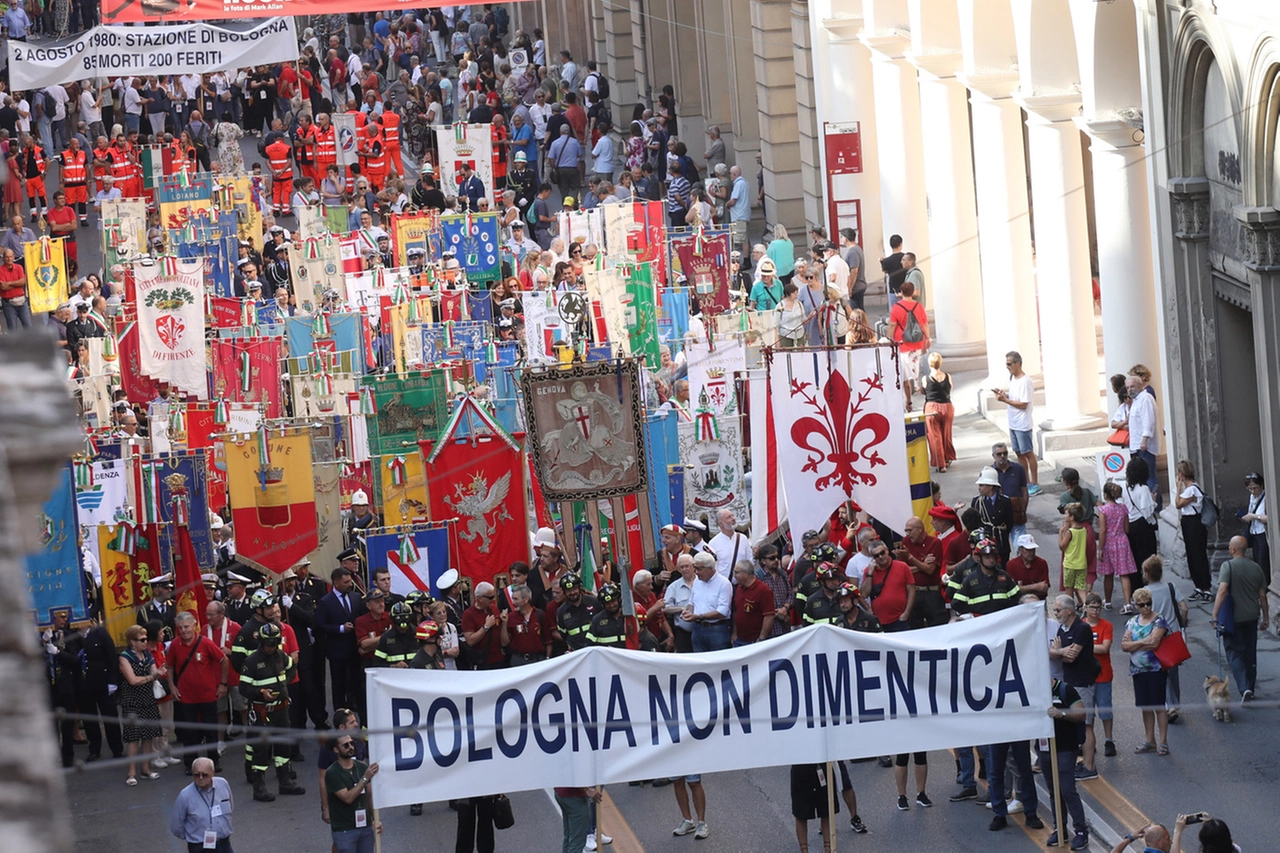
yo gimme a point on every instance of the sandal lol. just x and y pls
(1163, 750)
(1144, 747)
(131, 782)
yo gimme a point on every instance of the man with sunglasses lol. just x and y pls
(350, 805)
(1013, 485)
(201, 813)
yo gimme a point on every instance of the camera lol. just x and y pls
(1198, 817)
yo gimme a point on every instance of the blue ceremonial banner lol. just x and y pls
(480, 306)
(507, 407)
(662, 437)
(184, 479)
(216, 240)
(675, 493)
(474, 240)
(468, 345)
(385, 552)
(673, 316)
(346, 333)
(54, 575)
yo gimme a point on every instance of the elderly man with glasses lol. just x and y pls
(201, 813)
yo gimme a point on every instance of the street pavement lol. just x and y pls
(1226, 769)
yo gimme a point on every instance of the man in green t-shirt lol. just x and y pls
(1246, 583)
(348, 781)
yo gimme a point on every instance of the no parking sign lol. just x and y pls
(1111, 465)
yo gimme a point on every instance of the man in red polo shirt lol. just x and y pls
(753, 606)
(480, 630)
(889, 586)
(524, 631)
(923, 555)
(198, 672)
(651, 609)
(1031, 572)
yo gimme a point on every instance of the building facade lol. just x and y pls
(1092, 184)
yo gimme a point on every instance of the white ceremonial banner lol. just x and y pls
(464, 143)
(841, 434)
(607, 289)
(128, 51)
(713, 371)
(106, 499)
(344, 136)
(603, 716)
(171, 322)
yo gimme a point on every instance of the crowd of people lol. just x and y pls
(293, 653)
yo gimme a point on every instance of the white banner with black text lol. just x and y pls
(129, 51)
(604, 716)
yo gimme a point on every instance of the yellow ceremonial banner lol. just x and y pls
(248, 214)
(273, 498)
(46, 264)
(412, 230)
(119, 603)
(402, 486)
(406, 335)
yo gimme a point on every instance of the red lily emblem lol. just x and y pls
(843, 449)
(170, 328)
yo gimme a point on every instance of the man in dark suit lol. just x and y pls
(299, 608)
(312, 589)
(335, 619)
(161, 605)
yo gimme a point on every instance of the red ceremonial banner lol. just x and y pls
(138, 388)
(187, 584)
(705, 262)
(201, 426)
(480, 482)
(225, 312)
(648, 237)
(247, 370)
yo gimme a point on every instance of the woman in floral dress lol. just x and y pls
(230, 158)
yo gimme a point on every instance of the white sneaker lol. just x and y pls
(604, 839)
(222, 747)
(1014, 806)
(702, 832)
(685, 827)
(172, 760)
(591, 842)
(159, 764)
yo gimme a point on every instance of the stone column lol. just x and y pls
(953, 287)
(1126, 274)
(775, 75)
(1004, 226)
(1262, 260)
(1063, 271)
(903, 201)
(620, 60)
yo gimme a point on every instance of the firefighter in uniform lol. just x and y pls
(988, 589)
(246, 643)
(429, 655)
(264, 684)
(75, 179)
(823, 607)
(281, 166)
(420, 602)
(399, 645)
(809, 584)
(573, 617)
(854, 615)
(31, 162)
(391, 140)
(962, 569)
(608, 627)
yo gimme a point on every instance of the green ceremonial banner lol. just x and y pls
(408, 409)
(642, 315)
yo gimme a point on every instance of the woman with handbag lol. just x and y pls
(1142, 511)
(1142, 636)
(1165, 601)
(1120, 418)
(1256, 517)
(138, 706)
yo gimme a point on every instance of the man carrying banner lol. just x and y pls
(524, 633)
(710, 606)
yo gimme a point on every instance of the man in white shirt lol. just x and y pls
(1143, 440)
(729, 546)
(91, 109)
(60, 99)
(710, 607)
(568, 72)
(1019, 398)
(837, 269)
(23, 106)
(602, 156)
(190, 88)
(862, 559)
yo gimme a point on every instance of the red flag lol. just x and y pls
(138, 388)
(188, 587)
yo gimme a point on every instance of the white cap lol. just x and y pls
(545, 538)
(1027, 541)
(988, 477)
(448, 579)
(359, 498)
(216, 523)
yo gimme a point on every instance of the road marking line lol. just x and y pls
(610, 820)
(1129, 815)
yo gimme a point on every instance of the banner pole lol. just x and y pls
(1057, 791)
(377, 836)
(830, 840)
